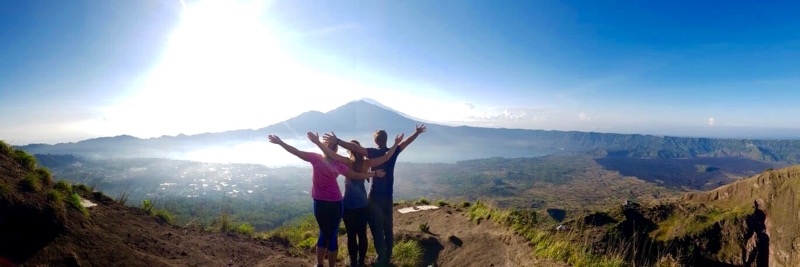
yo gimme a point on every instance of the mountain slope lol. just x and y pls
(453, 239)
(774, 199)
(751, 222)
(354, 117)
(39, 225)
(114, 234)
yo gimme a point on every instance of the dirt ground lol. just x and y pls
(116, 235)
(454, 240)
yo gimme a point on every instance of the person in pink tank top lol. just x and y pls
(325, 192)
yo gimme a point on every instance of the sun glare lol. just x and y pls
(221, 66)
(224, 68)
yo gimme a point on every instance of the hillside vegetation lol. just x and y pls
(603, 219)
(572, 183)
(267, 198)
(752, 222)
(43, 223)
(770, 203)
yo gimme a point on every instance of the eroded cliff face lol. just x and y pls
(771, 232)
(741, 241)
(753, 222)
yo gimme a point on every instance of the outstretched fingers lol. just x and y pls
(274, 139)
(421, 128)
(398, 139)
(329, 137)
(314, 137)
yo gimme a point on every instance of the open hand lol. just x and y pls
(421, 128)
(274, 139)
(314, 137)
(398, 139)
(330, 137)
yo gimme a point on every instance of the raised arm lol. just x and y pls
(331, 137)
(364, 175)
(277, 140)
(369, 163)
(420, 129)
(327, 150)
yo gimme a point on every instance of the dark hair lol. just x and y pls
(380, 138)
(358, 160)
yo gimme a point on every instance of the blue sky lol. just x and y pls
(72, 70)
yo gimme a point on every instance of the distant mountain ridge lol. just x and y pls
(359, 119)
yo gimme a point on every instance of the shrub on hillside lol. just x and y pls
(424, 227)
(26, 160)
(225, 224)
(31, 183)
(123, 196)
(45, 176)
(74, 201)
(246, 229)
(308, 243)
(5, 148)
(522, 218)
(479, 212)
(147, 206)
(423, 201)
(301, 235)
(407, 253)
(63, 187)
(164, 216)
(55, 196)
(56, 202)
(465, 204)
(82, 188)
(442, 203)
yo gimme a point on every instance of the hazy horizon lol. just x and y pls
(719, 132)
(79, 70)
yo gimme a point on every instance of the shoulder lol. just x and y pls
(311, 156)
(373, 152)
(341, 167)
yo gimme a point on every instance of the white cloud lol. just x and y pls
(511, 114)
(583, 116)
(711, 121)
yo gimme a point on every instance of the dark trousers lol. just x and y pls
(380, 224)
(355, 220)
(328, 215)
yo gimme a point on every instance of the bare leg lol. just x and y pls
(332, 258)
(321, 255)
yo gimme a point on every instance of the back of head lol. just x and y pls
(332, 145)
(356, 159)
(380, 138)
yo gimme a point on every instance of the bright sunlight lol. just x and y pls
(222, 69)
